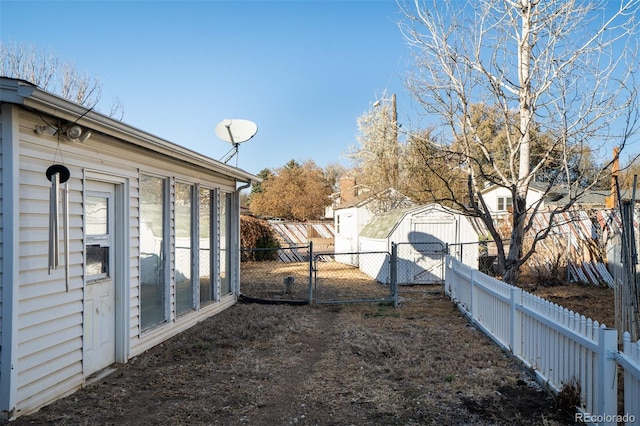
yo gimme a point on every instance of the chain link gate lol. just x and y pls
(420, 263)
(354, 277)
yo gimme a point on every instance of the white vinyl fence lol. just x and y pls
(560, 346)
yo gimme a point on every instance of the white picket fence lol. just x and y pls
(559, 346)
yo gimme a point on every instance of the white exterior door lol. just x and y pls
(429, 239)
(99, 309)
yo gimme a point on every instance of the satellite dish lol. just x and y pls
(235, 131)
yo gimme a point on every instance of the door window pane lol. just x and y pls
(205, 245)
(97, 261)
(183, 224)
(96, 215)
(152, 232)
(98, 242)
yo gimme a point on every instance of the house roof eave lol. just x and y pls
(30, 96)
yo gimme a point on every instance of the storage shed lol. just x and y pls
(112, 241)
(422, 235)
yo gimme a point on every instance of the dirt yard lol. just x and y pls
(369, 364)
(595, 302)
(340, 364)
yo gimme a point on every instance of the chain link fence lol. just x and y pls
(276, 274)
(298, 275)
(482, 255)
(353, 278)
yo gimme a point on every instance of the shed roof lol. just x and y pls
(382, 225)
(23, 93)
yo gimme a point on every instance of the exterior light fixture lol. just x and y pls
(77, 134)
(46, 130)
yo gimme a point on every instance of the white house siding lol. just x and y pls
(50, 316)
(351, 221)
(492, 194)
(8, 259)
(49, 345)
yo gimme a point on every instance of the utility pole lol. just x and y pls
(394, 116)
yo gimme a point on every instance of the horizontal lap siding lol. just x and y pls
(134, 270)
(49, 343)
(49, 315)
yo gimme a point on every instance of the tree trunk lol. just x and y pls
(514, 258)
(526, 110)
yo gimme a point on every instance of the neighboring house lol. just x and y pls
(499, 199)
(349, 219)
(422, 234)
(352, 214)
(126, 241)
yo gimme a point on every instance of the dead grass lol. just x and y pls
(595, 302)
(367, 364)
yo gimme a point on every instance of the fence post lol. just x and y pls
(607, 392)
(393, 265)
(472, 291)
(310, 272)
(516, 322)
(447, 276)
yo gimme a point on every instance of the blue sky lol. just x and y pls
(303, 71)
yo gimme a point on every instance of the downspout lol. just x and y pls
(236, 250)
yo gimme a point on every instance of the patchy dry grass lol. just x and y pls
(364, 364)
(595, 302)
(341, 365)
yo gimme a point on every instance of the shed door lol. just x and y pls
(99, 310)
(429, 239)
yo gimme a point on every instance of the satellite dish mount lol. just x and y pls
(235, 131)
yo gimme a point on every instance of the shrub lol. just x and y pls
(257, 234)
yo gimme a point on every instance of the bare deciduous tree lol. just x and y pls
(561, 69)
(379, 159)
(46, 70)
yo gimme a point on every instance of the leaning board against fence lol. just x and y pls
(562, 347)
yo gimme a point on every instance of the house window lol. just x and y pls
(153, 235)
(206, 248)
(184, 247)
(225, 242)
(337, 224)
(505, 203)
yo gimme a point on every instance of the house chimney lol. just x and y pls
(610, 201)
(347, 189)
